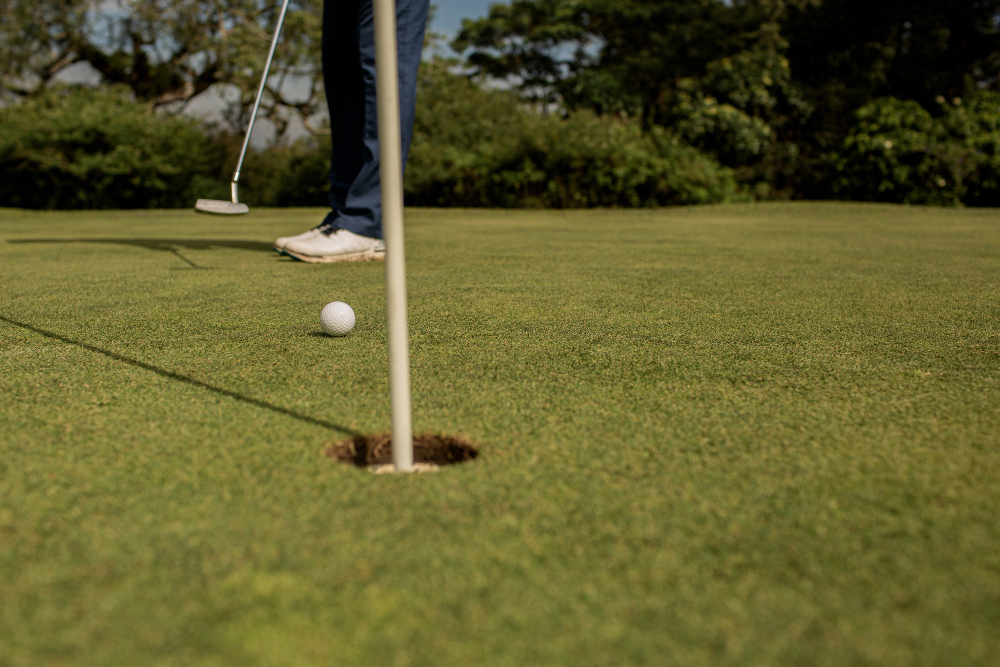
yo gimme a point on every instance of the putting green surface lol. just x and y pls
(746, 435)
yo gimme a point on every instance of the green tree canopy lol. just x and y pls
(165, 51)
(765, 85)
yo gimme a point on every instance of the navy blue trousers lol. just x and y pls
(349, 76)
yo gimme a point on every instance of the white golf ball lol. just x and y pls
(337, 318)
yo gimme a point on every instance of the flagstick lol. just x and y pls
(391, 169)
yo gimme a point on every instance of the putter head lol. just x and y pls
(219, 207)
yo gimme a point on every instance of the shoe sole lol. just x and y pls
(364, 256)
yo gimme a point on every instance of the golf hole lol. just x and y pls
(430, 451)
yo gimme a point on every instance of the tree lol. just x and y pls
(856, 50)
(768, 86)
(620, 56)
(713, 72)
(166, 51)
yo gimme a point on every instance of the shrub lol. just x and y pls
(898, 152)
(475, 147)
(974, 123)
(284, 175)
(78, 147)
(75, 147)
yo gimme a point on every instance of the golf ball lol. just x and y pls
(337, 318)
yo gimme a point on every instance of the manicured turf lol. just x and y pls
(753, 435)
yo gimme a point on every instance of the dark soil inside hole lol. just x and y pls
(370, 450)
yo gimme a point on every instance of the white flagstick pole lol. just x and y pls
(391, 170)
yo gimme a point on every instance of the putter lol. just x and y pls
(234, 207)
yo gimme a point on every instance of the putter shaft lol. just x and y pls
(260, 94)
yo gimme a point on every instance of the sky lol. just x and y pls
(451, 12)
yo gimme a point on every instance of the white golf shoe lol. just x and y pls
(336, 246)
(280, 243)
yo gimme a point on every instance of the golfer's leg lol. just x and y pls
(362, 211)
(345, 98)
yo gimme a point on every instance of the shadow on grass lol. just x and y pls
(185, 379)
(173, 246)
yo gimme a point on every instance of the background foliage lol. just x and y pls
(480, 148)
(771, 88)
(98, 148)
(166, 52)
(76, 147)
(899, 151)
(557, 103)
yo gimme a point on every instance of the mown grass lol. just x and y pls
(746, 435)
